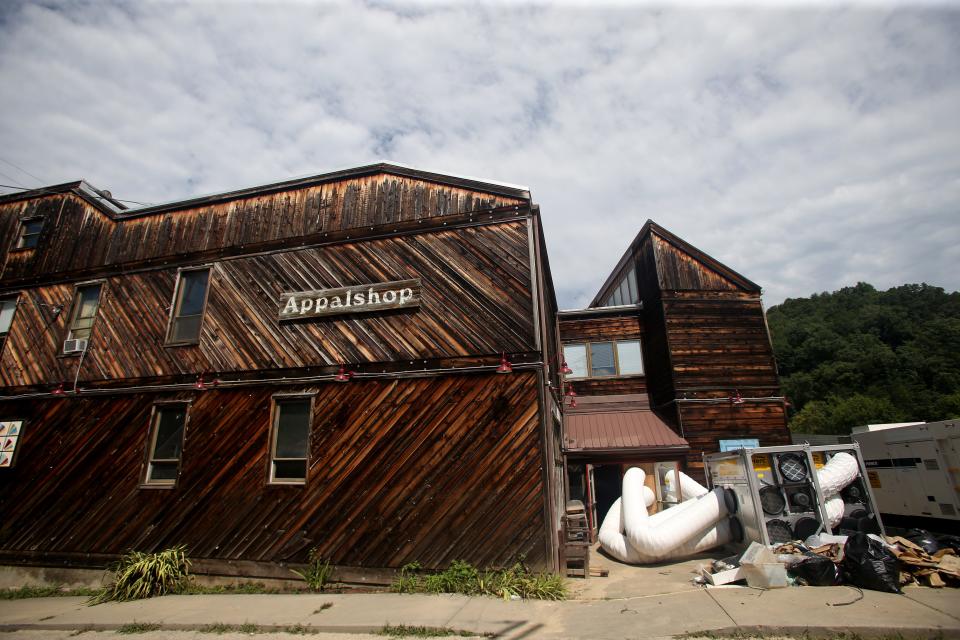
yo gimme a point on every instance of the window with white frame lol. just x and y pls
(8, 308)
(605, 359)
(290, 440)
(189, 302)
(165, 444)
(29, 235)
(85, 305)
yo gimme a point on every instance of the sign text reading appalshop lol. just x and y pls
(364, 298)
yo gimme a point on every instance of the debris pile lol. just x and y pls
(862, 560)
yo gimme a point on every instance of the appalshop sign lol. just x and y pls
(365, 298)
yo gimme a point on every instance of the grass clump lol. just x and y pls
(462, 577)
(56, 591)
(404, 631)
(236, 588)
(318, 573)
(144, 575)
(138, 627)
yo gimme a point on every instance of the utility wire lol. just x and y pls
(14, 180)
(22, 188)
(19, 168)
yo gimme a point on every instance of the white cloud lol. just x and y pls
(805, 147)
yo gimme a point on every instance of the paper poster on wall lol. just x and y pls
(10, 432)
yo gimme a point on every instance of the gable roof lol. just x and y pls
(117, 211)
(652, 228)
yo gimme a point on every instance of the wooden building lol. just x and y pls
(364, 363)
(361, 363)
(671, 360)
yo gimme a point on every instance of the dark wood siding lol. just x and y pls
(476, 300)
(80, 238)
(429, 469)
(678, 269)
(595, 329)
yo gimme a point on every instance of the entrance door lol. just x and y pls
(606, 488)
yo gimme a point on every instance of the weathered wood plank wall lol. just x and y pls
(430, 470)
(600, 329)
(78, 237)
(476, 300)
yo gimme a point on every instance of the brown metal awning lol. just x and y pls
(611, 429)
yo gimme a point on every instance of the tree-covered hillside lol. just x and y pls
(858, 356)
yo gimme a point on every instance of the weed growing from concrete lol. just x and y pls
(300, 629)
(237, 588)
(404, 631)
(138, 627)
(462, 577)
(323, 607)
(318, 573)
(248, 627)
(45, 592)
(218, 628)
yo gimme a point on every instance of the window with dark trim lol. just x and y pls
(8, 308)
(189, 302)
(29, 233)
(625, 291)
(86, 301)
(607, 359)
(290, 440)
(165, 446)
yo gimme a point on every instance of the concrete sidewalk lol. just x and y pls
(921, 612)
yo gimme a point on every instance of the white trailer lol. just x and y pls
(914, 471)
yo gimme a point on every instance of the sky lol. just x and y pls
(808, 147)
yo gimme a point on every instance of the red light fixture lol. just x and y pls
(505, 366)
(573, 397)
(736, 398)
(59, 392)
(565, 370)
(343, 375)
(201, 385)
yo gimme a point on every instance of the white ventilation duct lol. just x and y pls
(834, 506)
(630, 534)
(689, 487)
(841, 470)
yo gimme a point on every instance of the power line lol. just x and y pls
(14, 180)
(90, 195)
(19, 168)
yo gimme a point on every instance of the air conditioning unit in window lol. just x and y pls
(75, 346)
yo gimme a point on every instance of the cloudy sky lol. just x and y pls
(807, 147)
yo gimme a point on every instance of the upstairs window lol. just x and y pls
(85, 305)
(165, 446)
(190, 299)
(604, 359)
(290, 440)
(8, 307)
(624, 292)
(29, 233)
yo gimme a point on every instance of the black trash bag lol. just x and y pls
(923, 539)
(816, 571)
(948, 541)
(868, 564)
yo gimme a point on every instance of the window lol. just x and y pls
(604, 359)
(8, 307)
(625, 291)
(29, 233)
(576, 357)
(85, 304)
(601, 360)
(166, 444)
(289, 442)
(189, 302)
